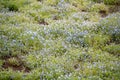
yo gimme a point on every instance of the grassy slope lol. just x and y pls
(55, 40)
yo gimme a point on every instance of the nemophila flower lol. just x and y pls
(77, 43)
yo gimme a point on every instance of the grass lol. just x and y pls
(59, 40)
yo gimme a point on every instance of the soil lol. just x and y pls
(76, 66)
(114, 8)
(20, 67)
(103, 13)
(55, 18)
(43, 22)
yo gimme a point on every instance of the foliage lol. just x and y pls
(99, 7)
(109, 2)
(13, 61)
(59, 40)
(113, 49)
(111, 29)
(14, 5)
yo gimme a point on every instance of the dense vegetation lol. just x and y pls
(59, 39)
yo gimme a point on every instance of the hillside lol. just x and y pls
(59, 39)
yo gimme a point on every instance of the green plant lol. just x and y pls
(113, 49)
(14, 5)
(110, 29)
(10, 75)
(99, 7)
(51, 2)
(78, 38)
(97, 40)
(13, 61)
(109, 2)
(1, 63)
(58, 40)
(32, 61)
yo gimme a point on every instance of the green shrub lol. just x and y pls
(58, 49)
(86, 17)
(110, 26)
(97, 40)
(32, 61)
(31, 41)
(13, 19)
(10, 75)
(76, 45)
(9, 43)
(99, 7)
(109, 2)
(113, 49)
(78, 38)
(13, 5)
(1, 63)
(51, 2)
